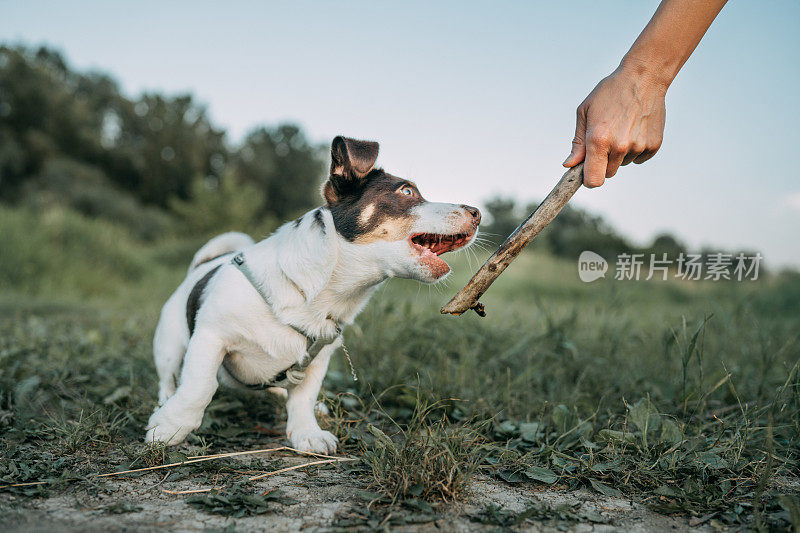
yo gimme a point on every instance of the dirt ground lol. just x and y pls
(325, 498)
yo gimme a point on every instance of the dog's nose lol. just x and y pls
(474, 212)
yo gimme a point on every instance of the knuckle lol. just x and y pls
(654, 146)
(619, 148)
(600, 139)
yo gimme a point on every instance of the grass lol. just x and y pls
(683, 395)
(426, 458)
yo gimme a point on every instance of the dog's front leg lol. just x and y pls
(302, 427)
(183, 412)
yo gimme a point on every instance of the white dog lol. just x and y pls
(270, 314)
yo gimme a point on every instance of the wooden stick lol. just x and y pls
(28, 484)
(233, 454)
(281, 448)
(195, 491)
(202, 458)
(190, 461)
(295, 467)
(467, 298)
(261, 476)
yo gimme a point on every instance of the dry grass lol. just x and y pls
(427, 457)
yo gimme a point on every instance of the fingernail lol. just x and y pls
(567, 159)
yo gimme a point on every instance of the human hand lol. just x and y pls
(622, 120)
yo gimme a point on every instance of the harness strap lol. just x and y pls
(314, 345)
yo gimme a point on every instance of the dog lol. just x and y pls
(270, 314)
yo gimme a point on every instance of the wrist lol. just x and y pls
(646, 73)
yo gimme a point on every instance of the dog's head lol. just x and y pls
(388, 216)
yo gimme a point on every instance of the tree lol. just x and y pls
(74, 137)
(284, 166)
(575, 230)
(158, 146)
(503, 218)
(667, 244)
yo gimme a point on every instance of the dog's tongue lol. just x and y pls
(441, 247)
(448, 242)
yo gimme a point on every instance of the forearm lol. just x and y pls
(669, 39)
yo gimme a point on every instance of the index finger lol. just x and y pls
(594, 167)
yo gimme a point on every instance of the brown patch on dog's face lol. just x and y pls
(378, 210)
(367, 204)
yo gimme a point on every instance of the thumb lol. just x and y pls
(578, 152)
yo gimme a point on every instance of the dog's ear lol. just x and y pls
(351, 161)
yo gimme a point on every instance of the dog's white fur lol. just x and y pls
(311, 275)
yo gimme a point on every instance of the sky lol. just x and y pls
(472, 99)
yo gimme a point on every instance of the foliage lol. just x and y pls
(667, 244)
(152, 147)
(503, 218)
(695, 434)
(571, 232)
(575, 230)
(65, 253)
(85, 190)
(219, 206)
(282, 163)
(560, 516)
(425, 459)
(74, 139)
(238, 501)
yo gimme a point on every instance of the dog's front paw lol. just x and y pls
(315, 441)
(167, 435)
(162, 431)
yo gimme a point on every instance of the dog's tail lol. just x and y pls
(220, 245)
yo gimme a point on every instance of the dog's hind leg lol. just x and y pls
(169, 349)
(182, 413)
(282, 394)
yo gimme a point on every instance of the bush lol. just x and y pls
(85, 189)
(216, 207)
(65, 253)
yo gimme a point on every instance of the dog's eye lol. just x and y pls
(407, 191)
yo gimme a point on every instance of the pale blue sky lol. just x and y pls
(476, 98)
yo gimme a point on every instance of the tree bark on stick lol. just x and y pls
(467, 298)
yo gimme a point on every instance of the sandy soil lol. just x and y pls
(328, 499)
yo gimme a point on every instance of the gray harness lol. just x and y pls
(314, 345)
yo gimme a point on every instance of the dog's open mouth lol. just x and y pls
(439, 243)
